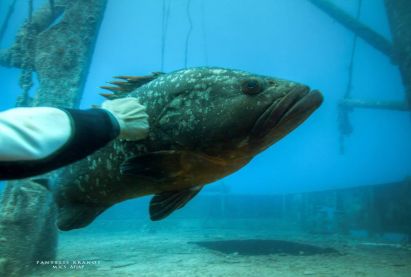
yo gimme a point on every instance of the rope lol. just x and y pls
(190, 28)
(343, 119)
(165, 17)
(5, 24)
(204, 32)
(352, 58)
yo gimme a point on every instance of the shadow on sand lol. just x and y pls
(254, 247)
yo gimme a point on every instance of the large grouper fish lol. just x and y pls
(205, 123)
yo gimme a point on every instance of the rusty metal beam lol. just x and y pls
(360, 29)
(376, 104)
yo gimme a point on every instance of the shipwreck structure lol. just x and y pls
(398, 51)
(56, 43)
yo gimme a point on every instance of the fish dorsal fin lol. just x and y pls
(127, 84)
(163, 204)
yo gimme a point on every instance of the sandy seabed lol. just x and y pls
(146, 252)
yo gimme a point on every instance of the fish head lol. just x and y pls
(233, 114)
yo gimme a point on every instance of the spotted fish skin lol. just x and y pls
(205, 123)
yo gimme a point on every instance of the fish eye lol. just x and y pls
(251, 87)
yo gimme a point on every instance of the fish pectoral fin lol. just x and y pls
(77, 215)
(44, 182)
(163, 204)
(167, 166)
(160, 166)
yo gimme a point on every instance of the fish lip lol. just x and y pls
(302, 109)
(288, 112)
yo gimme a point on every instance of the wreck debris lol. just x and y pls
(27, 227)
(59, 52)
(399, 17)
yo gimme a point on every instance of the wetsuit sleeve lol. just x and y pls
(34, 141)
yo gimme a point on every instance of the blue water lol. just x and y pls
(290, 39)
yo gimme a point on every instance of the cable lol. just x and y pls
(343, 119)
(204, 32)
(352, 58)
(190, 28)
(165, 17)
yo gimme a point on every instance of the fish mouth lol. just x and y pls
(284, 115)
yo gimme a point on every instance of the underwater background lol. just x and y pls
(290, 39)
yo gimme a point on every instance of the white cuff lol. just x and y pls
(32, 133)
